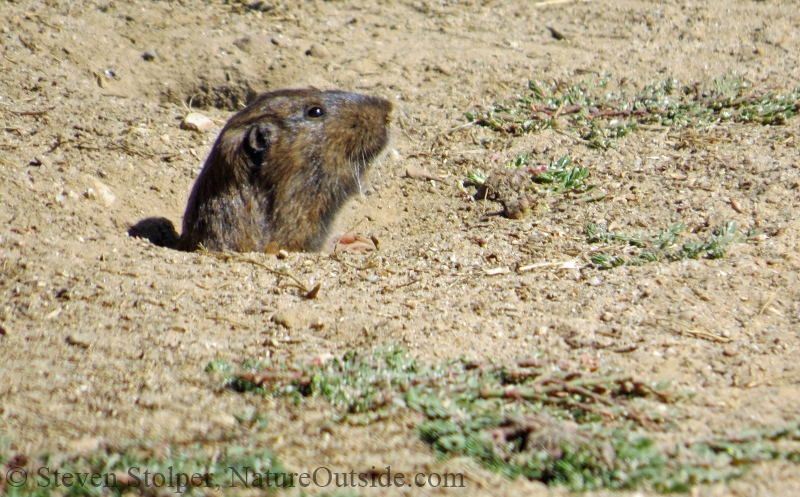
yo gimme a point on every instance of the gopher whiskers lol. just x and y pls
(356, 168)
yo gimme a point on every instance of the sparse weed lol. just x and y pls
(557, 176)
(599, 117)
(477, 178)
(578, 428)
(656, 247)
(562, 179)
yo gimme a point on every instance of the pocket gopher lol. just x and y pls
(280, 171)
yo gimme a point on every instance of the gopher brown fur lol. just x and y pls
(280, 171)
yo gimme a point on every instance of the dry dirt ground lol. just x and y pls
(104, 338)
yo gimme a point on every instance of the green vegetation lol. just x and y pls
(598, 116)
(579, 428)
(143, 469)
(657, 247)
(557, 176)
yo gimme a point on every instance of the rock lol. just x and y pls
(287, 321)
(150, 55)
(319, 52)
(243, 43)
(83, 446)
(443, 68)
(415, 172)
(281, 41)
(365, 67)
(84, 340)
(194, 121)
(513, 189)
(594, 281)
(730, 351)
(44, 161)
(100, 191)
(223, 420)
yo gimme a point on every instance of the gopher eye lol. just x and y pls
(315, 111)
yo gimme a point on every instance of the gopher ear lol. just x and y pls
(258, 139)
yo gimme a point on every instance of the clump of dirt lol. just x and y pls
(512, 188)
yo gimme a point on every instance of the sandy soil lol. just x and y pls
(105, 337)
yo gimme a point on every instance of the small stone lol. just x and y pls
(194, 121)
(320, 359)
(319, 52)
(223, 420)
(607, 316)
(42, 160)
(444, 68)
(365, 67)
(150, 55)
(100, 192)
(415, 172)
(317, 324)
(282, 254)
(730, 351)
(83, 446)
(281, 41)
(4, 332)
(594, 281)
(243, 43)
(84, 340)
(285, 320)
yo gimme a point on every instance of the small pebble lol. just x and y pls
(100, 191)
(83, 446)
(150, 55)
(223, 420)
(280, 41)
(415, 172)
(84, 340)
(285, 320)
(594, 281)
(319, 52)
(730, 351)
(41, 160)
(195, 121)
(607, 316)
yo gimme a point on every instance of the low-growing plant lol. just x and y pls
(563, 179)
(657, 247)
(576, 427)
(557, 176)
(599, 117)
